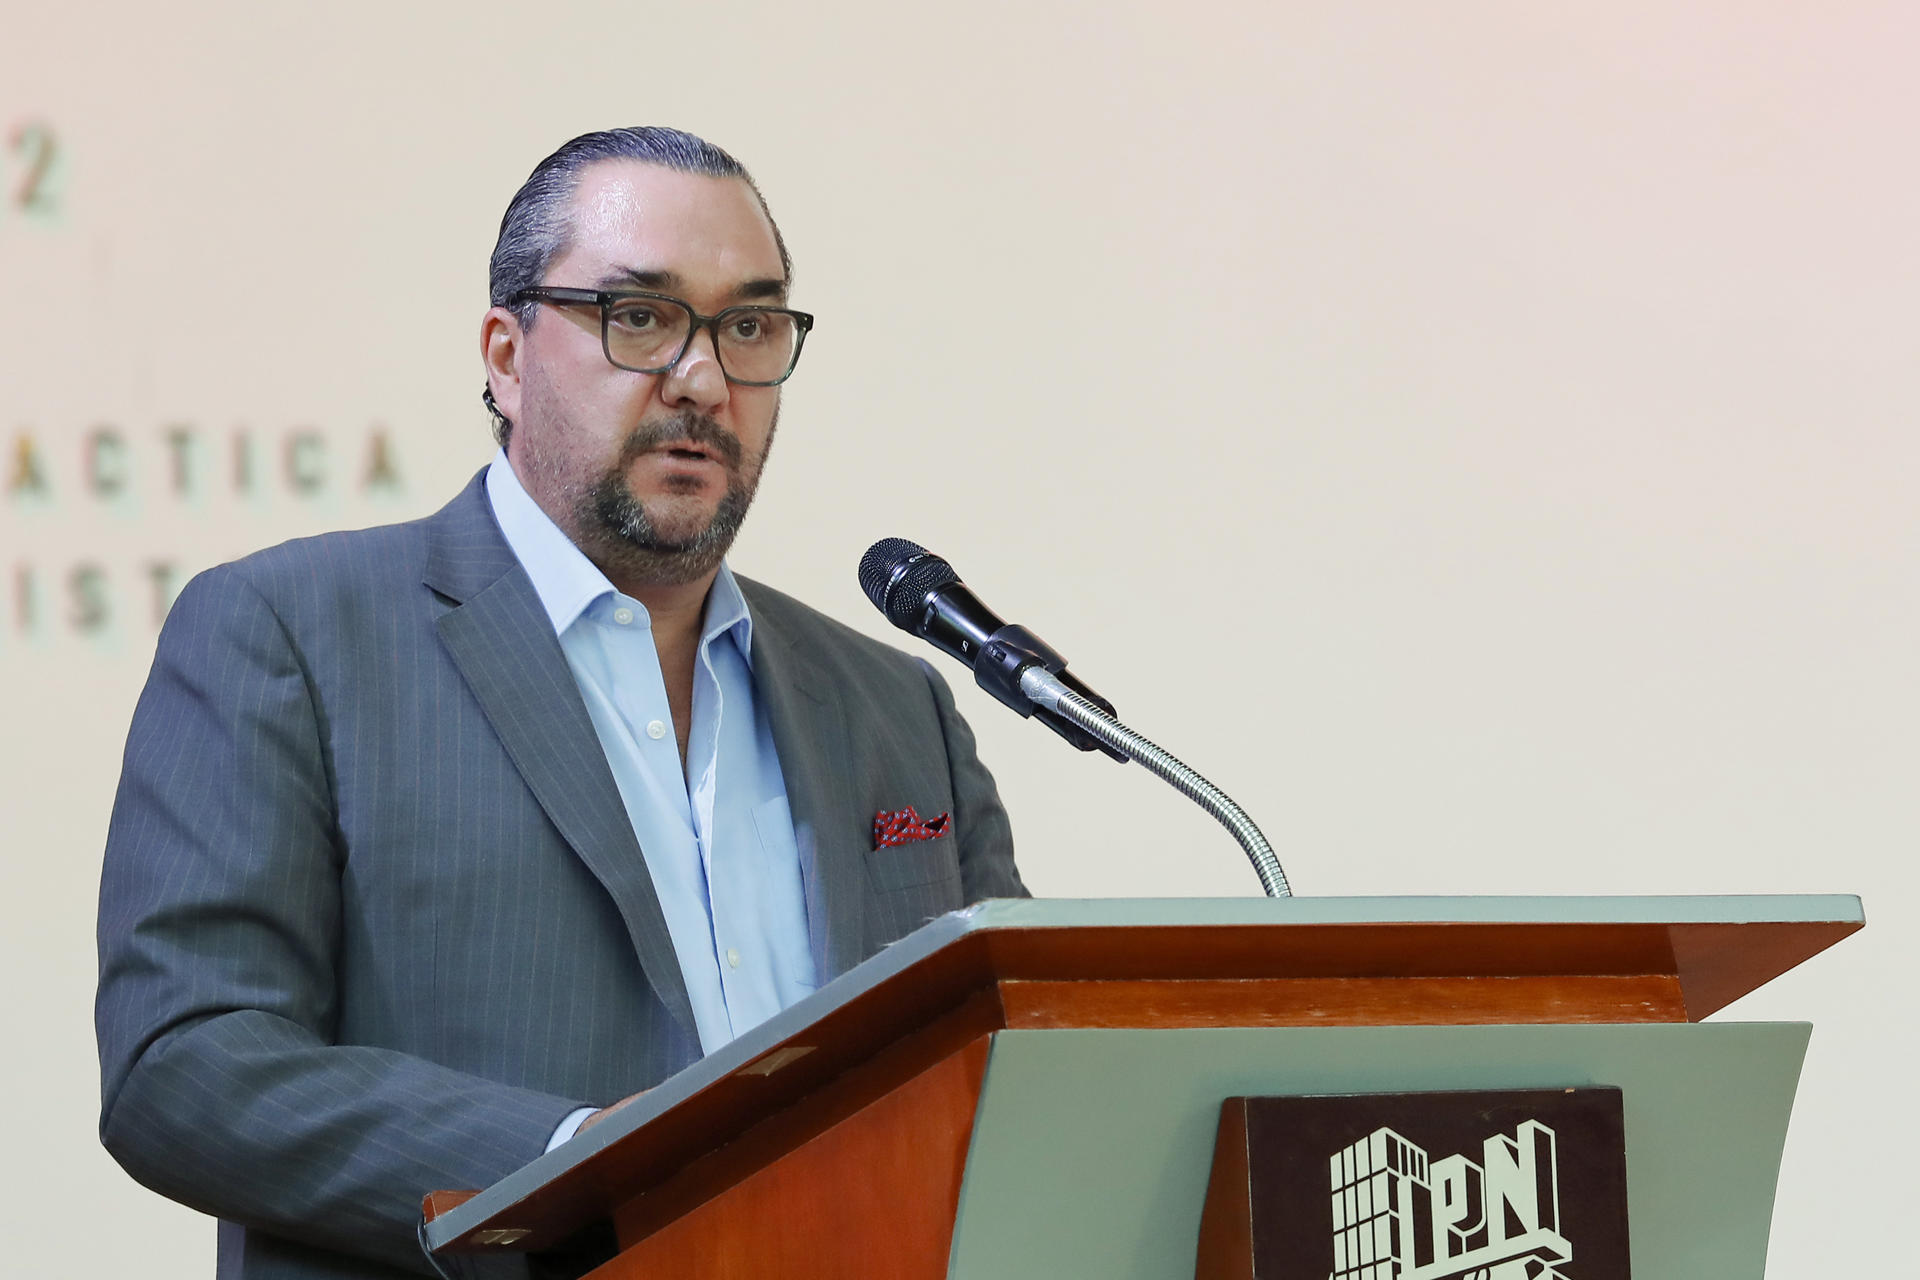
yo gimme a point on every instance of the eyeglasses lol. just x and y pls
(650, 333)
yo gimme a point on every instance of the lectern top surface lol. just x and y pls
(1067, 913)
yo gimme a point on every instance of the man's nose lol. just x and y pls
(696, 378)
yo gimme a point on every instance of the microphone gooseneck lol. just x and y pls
(1182, 777)
(921, 593)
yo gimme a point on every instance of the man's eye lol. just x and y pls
(639, 319)
(758, 328)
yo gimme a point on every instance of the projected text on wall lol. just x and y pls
(75, 473)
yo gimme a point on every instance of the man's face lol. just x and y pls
(649, 474)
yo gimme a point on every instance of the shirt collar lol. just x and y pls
(568, 583)
(727, 613)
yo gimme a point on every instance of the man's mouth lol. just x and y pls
(689, 453)
(687, 439)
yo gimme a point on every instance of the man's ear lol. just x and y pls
(502, 342)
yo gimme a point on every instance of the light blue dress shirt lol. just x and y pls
(718, 835)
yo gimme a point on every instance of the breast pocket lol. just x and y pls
(914, 865)
(910, 884)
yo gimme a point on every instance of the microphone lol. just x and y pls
(921, 593)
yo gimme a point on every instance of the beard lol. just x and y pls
(633, 541)
(676, 542)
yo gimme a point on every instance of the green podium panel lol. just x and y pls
(1091, 1149)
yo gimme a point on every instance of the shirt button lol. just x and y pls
(623, 616)
(733, 958)
(656, 730)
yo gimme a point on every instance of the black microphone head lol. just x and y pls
(897, 575)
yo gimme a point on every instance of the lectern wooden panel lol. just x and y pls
(898, 1160)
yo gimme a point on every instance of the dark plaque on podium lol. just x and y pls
(1508, 1185)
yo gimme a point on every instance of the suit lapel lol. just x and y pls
(503, 643)
(810, 735)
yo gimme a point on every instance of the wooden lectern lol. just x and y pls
(1033, 1088)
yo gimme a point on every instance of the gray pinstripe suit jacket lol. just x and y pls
(373, 919)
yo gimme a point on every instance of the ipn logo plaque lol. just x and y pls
(1511, 1185)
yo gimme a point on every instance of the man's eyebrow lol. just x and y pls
(668, 282)
(635, 277)
(760, 290)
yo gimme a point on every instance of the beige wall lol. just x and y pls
(1480, 435)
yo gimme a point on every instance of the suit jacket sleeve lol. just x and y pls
(986, 837)
(219, 934)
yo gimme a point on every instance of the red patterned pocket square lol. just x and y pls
(902, 826)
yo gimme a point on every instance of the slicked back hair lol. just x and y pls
(538, 226)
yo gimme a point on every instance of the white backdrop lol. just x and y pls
(1478, 435)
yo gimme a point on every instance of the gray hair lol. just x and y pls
(538, 225)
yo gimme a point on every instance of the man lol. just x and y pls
(406, 877)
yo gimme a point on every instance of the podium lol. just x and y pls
(1035, 1088)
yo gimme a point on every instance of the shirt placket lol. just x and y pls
(642, 705)
(709, 709)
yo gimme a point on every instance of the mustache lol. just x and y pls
(686, 427)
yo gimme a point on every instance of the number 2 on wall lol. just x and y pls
(33, 144)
